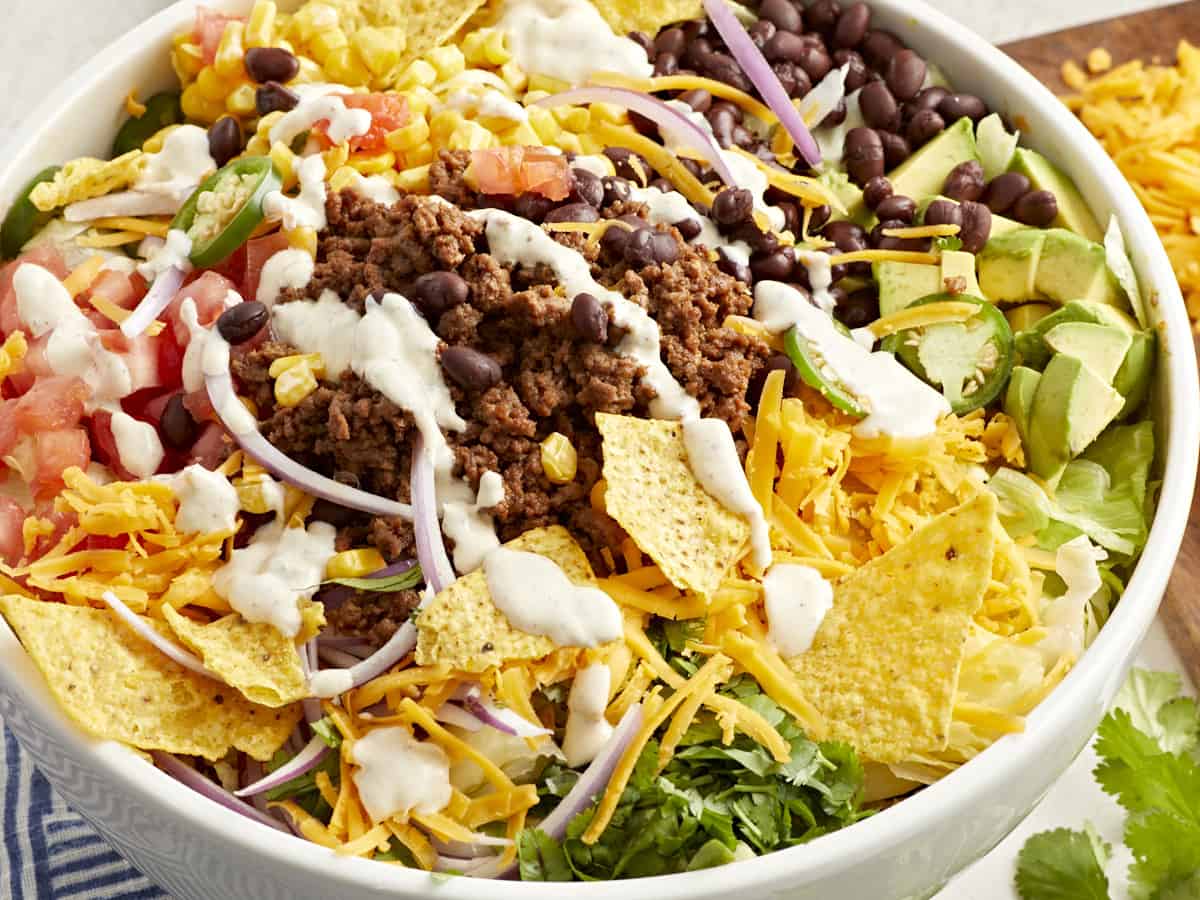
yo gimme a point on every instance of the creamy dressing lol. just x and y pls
(1064, 616)
(396, 774)
(172, 253)
(207, 501)
(307, 210)
(831, 140)
(289, 268)
(598, 165)
(138, 446)
(326, 326)
(713, 459)
(330, 683)
(671, 207)
(181, 164)
(820, 278)
(486, 103)
(375, 188)
(73, 347)
(343, 122)
(266, 580)
(467, 522)
(746, 174)
(797, 599)
(587, 729)
(538, 598)
(568, 40)
(214, 362)
(898, 404)
(472, 78)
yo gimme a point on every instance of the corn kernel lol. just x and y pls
(414, 179)
(495, 47)
(325, 42)
(294, 385)
(354, 563)
(312, 361)
(546, 83)
(559, 459)
(514, 76)
(591, 145)
(198, 107)
(311, 19)
(444, 122)
(573, 118)
(470, 136)
(1099, 60)
(609, 112)
(520, 136)
(380, 48)
(154, 143)
(472, 47)
(285, 163)
(260, 25)
(447, 59)
(231, 51)
(419, 72)
(187, 60)
(344, 66)
(310, 72)
(12, 353)
(242, 100)
(373, 163)
(421, 155)
(532, 97)
(569, 143)
(343, 178)
(303, 239)
(257, 492)
(411, 135)
(544, 123)
(421, 100)
(336, 157)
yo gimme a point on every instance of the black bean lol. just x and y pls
(761, 32)
(639, 248)
(837, 116)
(782, 14)
(692, 166)
(759, 241)
(954, 106)
(622, 164)
(859, 308)
(265, 64)
(976, 226)
(695, 28)
(436, 292)
(643, 40)
(587, 187)
(177, 425)
(905, 75)
(696, 50)
(732, 206)
(852, 26)
(879, 108)
(531, 206)
(240, 323)
(274, 97)
(846, 235)
(878, 47)
(666, 64)
(895, 149)
(1037, 208)
(734, 269)
(792, 217)
(863, 154)
(930, 97)
(856, 68)
(589, 318)
(700, 100)
(820, 215)
(924, 126)
(898, 208)
(664, 247)
(789, 75)
(784, 45)
(573, 212)
(943, 212)
(332, 513)
(1004, 190)
(224, 140)
(689, 229)
(616, 190)
(823, 15)
(734, 111)
(744, 137)
(671, 40)
(615, 238)
(781, 362)
(723, 124)
(724, 67)
(775, 266)
(816, 62)
(876, 191)
(473, 370)
(965, 181)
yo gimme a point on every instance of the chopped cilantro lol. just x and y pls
(327, 731)
(1062, 865)
(949, 242)
(406, 580)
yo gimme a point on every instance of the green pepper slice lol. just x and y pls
(24, 220)
(236, 209)
(161, 110)
(807, 361)
(969, 362)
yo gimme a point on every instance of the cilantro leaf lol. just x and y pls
(404, 581)
(1061, 865)
(1166, 852)
(1155, 708)
(1143, 777)
(327, 731)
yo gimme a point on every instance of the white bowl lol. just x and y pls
(197, 850)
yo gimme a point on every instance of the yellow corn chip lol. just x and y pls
(253, 657)
(117, 686)
(463, 629)
(883, 668)
(637, 15)
(651, 491)
(431, 23)
(84, 178)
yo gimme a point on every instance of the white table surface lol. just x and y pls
(63, 31)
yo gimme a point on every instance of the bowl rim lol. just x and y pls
(953, 795)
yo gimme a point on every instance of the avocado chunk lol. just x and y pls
(996, 145)
(1024, 317)
(902, 283)
(840, 185)
(1101, 348)
(1074, 268)
(956, 265)
(1071, 407)
(1008, 266)
(923, 174)
(1018, 399)
(1132, 380)
(1073, 212)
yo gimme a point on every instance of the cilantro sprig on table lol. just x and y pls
(1149, 749)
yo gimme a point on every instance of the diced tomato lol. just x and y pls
(519, 170)
(105, 542)
(55, 452)
(118, 288)
(234, 268)
(388, 112)
(200, 406)
(12, 521)
(104, 443)
(211, 447)
(140, 355)
(257, 254)
(46, 257)
(170, 359)
(148, 405)
(208, 293)
(34, 366)
(52, 404)
(61, 522)
(209, 27)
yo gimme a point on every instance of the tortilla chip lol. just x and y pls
(117, 686)
(253, 657)
(431, 23)
(463, 629)
(651, 492)
(883, 668)
(85, 178)
(637, 15)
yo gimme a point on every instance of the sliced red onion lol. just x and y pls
(189, 777)
(504, 720)
(431, 549)
(480, 848)
(128, 203)
(679, 126)
(338, 658)
(453, 714)
(166, 646)
(398, 646)
(759, 71)
(160, 295)
(252, 770)
(304, 761)
(262, 451)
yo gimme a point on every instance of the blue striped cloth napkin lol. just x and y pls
(50, 852)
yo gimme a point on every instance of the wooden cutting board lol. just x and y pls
(1151, 36)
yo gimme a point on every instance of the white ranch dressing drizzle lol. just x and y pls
(325, 326)
(587, 729)
(898, 403)
(307, 210)
(182, 163)
(291, 268)
(465, 519)
(1075, 563)
(138, 446)
(344, 122)
(538, 598)
(820, 277)
(329, 683)
(598, 165)
(487, 103)
(207, 501)
(396, 774)
(74, 347)
(375, 188)
(568, 40)
(172, 253)
(797, 599)
(266, 580)
(213, 353)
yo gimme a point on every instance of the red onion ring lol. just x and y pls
(759, 71)
(503, 720)
(431, 549)
(164, 645)
(397, 647)
(189, 777)
(160, 295)
(665, 117)
(338, 658)
(453, 714)
(304, 761)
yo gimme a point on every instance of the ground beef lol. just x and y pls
(372, 615)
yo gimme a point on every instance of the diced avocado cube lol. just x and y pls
(1071, 407)
(1018, 399)
(996, 145)
(1132, 380)
(958, 264)
(1101, 348)
(1008, 266)
(1074, 268)
(923, 174)
(839, 184)
(1073, 212)
(902, 283)
(1027, 315)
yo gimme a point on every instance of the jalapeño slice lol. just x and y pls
(161, 110)
(24, 220)
(816, 373)
(969, 362)
(223, 212)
